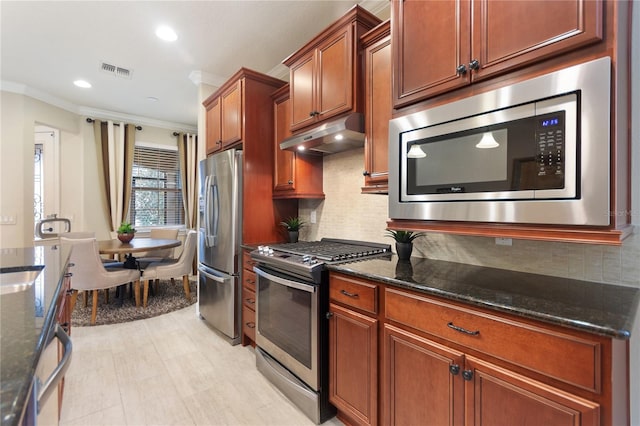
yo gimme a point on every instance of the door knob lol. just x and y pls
(474, 64)
(461, 69)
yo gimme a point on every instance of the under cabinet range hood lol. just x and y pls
(334, 136)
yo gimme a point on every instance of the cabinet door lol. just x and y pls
(431, 39)
(507, 34)
(284, 169)
(231, 112)
(353, 364)
(496, 396)
(302, 81)
(214, 136)
(419, 381)
(334, 79)
(377, 115)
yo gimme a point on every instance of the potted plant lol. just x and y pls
(126, 232)
(404, 242)
(293, 225)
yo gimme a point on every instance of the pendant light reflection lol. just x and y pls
(416, 152)
(487, 141)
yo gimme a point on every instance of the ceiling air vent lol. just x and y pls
(116, 70)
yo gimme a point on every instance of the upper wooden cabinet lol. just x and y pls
(240, 115)
(325, 74)
(376, 45)
(441, 45)
(224, 118)
(294, 175)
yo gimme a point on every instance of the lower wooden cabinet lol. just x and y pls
(353, 365)
(248, 278)
(400, 357)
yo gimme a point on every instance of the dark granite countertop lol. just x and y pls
(603, 309)
(25, 317)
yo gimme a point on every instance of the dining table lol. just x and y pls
(128, 250)
(137, 245)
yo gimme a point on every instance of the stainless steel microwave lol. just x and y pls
(532, 152)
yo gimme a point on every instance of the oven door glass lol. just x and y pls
(287, 322)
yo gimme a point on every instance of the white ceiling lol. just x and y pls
(46, 45)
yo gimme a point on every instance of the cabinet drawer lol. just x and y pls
(249, 298)
(247, 262)
(249, 323)
(249, 279)
(562, 356)
(353, 292)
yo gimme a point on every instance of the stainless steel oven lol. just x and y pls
(287, 322)
(292, 331)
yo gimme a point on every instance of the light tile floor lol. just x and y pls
(168, 370)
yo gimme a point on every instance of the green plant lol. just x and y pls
(403, 236)
(126, 228)
(292, 223)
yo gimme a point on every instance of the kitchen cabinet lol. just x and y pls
(325, 74)
(295, 175)
(246, 122)
(353, 350)
(457, 364)
(224, 118)
(443, 45)
(376, 45)
(248, 299)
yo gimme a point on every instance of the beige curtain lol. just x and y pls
(188, 152)
(116, 144)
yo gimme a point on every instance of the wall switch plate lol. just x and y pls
(7, 220)
(504, 241)
(312, 216)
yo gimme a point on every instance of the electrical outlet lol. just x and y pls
(504, 241)
(312, 216)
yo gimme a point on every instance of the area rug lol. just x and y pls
(168, 298)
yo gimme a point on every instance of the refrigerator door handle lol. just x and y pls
(216, 209)
(211, 198)
(206, 272)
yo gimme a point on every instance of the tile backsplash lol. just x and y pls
(346, 213)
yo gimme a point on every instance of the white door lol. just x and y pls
(46, 178)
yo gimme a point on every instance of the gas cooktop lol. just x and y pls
(307, 258)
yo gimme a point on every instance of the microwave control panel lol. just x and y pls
(550, 138)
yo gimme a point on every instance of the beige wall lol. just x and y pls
(81, 194)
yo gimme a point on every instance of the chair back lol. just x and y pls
(188, 251)
(164, 234)
(85, 256)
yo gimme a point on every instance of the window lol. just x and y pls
(156, 196)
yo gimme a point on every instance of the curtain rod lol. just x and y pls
(91, 120)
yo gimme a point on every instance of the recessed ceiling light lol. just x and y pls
(82, 83)
(167, 34)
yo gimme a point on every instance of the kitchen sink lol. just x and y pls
(16, 281)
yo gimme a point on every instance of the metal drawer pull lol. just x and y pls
(250, 301)
(251, 324)
(346, 293)
(463, 330)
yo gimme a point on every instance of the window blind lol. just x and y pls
(156, 196)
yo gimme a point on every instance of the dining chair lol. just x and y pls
(172, 268)
(159, 254)
(90, 274)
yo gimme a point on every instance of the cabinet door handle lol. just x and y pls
(366, 173)
(467, 375)
(474, 64)
(346, 293)
(251, 324)
(461, 69)
(463, 330)
(454, 369)
(290, 182)
(329, 315)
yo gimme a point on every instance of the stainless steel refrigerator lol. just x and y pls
(220, 234)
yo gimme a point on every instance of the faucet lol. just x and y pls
(42, 232)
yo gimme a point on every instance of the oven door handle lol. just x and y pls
(304, 287)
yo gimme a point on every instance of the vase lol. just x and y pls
(404, 250)
(293, 236)
(125, 238)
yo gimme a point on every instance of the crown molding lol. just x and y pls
(21, 89)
